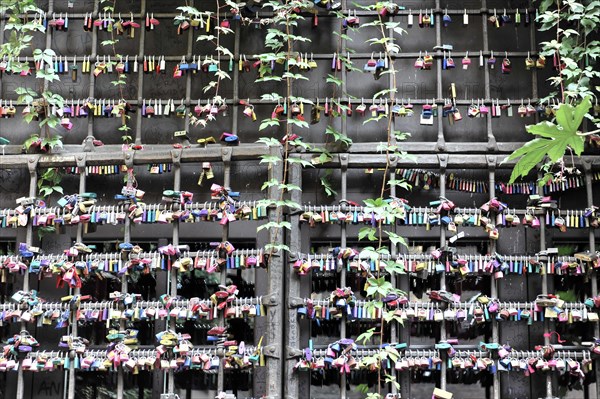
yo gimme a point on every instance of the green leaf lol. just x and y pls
(396, 239)
(300, 161)
(270, 159)
(366, 336)
(334, 80)
(368, 233)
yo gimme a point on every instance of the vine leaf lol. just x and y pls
(552, 140)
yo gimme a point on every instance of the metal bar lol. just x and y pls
(343, 243)
(140, 82)
(192, 101)
(443, 337)
(493, 282)
(266, 14)
(236, 80)
(486, 72)
(173, 273)
(253, 151)
(226, 154)
(292, 387)
(92, 88)
(20, 390)
(441, 141)
(274, 336)
(592, 247)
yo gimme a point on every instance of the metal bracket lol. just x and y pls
(344, 162)
(295, 302)
(491, 161)
(293, 353)
(32, 164)
(176, 157)
(80, 160)
(128, 155)
(443, 158)
(88, 144)
(587, 165)
(269, 300)
(226, 154)
(393, 161)
(271, 351)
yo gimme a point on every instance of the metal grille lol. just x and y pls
(441, 151)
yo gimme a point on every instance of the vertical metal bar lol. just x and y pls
(140, 82)
(493, 283)
(274, 336)
(533, 47)
(188, 77)
(441, 141)
(28, 240)
(226, 155)
(344, 74)
(124, 285)
(236, 80)
(588, 173)
(292, 332)
(176, 155)
(443, 164)
(486, 73)
(545, 281)
(77, 290)
(343, 243)
(393, 278)
(94, 54)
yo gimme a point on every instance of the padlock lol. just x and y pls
(419, 64)
(426, 115)
(529, 63)
(446, 20)
(506, 66)
(466, 61)
(473, 111)
(427, 61)
(456, 115)
(540, 63)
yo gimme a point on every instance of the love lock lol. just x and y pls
(506, 66)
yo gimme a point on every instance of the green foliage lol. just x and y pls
(49, 183)
(552, 139)
(326, 184)
(338, 136)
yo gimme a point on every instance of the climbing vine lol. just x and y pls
(574, 52)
